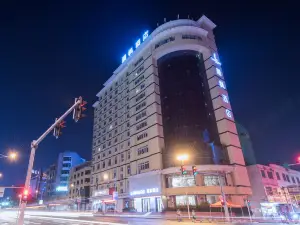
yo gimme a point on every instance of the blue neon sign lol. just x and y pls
(137, 44)
(215, 59)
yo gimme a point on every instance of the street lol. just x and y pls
(73, 218)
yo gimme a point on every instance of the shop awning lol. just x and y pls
(229, 204)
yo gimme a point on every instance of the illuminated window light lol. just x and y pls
(137, 91)
(214, 58)
(138, 43)
(123, 58)
(219, 72)
(228, 113)
(145, 35)
(222, 84)
(225, 98)
(110, 127)
(130, 51)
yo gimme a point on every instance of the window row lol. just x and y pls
(189, 36)
(141, 105)
(165, 41)
(142, 136)
(142, 150)
(140, 115)
(141, 125)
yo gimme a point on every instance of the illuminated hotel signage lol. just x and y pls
(145, 191)
(62, 188)
(137, 44)
(214, 58)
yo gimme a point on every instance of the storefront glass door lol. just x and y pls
(158, 204)
(146, 204)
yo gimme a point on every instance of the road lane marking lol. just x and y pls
(81, 221)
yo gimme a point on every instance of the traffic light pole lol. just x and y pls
(34, 146)
(227, 217)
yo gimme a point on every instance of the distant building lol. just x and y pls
(275, 189)
(246, 144)
(79, 185)
(37, 184)
(58, 175)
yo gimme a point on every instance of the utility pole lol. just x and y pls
(77, 110)
(227, 217)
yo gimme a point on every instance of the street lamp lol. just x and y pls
(11, 155)
(182, 158)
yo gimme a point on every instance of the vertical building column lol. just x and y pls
(225, 118)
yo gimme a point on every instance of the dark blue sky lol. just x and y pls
(54, 51)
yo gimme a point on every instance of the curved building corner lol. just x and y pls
(166, 99)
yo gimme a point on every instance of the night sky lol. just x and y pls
(54, 51)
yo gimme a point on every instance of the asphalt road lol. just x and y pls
(67, 218)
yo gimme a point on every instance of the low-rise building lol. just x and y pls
(79, 185)
(275, 189)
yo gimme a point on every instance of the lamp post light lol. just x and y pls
(11, 155)
(182, 158)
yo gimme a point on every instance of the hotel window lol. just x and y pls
(141, 125)
(103, 164)
(288, 178)
(139, 70)
(165, 41)
(141, 105)
(188, 36)
(278, 176)
(293, 179)
(263, 174)
(143, 166)
(128, 155)
(139, 60)
(109, 162)
(116, 159)
(128, 170)
(142, 95)
(139, 79)
(270, 175)
(142, 150)
(122, 157)
(141, 136)
(284, 177)
(140, 115)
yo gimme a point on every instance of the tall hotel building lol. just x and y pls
(168, 98)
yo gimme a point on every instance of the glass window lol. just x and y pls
(263, 174)
(278, 176)
(211, 180)
(182, 200)
(67, 158)
(270, 174)
(182, 181)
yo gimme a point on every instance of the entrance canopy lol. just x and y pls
(229, 204)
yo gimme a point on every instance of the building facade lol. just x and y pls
(167, 98)
(79, 186)
(275, 189)
(57, 185)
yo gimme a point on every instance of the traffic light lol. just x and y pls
(183, 170)
(57, 129)
(222, 200)
(194, 169)
(25, 195)
(78, 110)
(298, 159)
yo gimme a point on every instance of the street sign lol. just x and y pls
(2, 189)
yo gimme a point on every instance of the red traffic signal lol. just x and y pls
(298, 159)
(25, 195)
(183, 170)
(25, 192)
(194, 169)
(78, 110)
(57, 129)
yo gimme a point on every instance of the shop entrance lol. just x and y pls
(158, 203)
(146, 204)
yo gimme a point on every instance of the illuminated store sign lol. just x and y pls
(102, 192)
(137, 44)
(62, 188)
(145, 191)
(214, 58)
